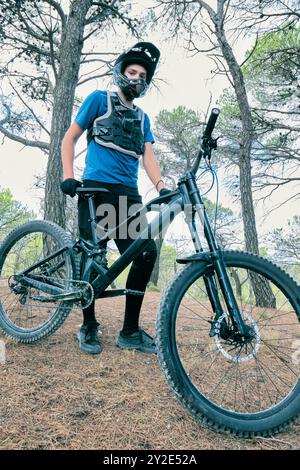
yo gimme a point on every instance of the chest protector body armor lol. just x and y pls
(120, 128)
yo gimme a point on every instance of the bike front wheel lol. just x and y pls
(23, 316)
(246, 387)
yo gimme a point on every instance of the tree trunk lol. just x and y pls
(64, 92)
(261, 287)
(248, 215)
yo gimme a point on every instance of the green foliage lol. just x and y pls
(271, 75)
(152, 288)
(294, 271)
(272, 53)
(112, 256)
(272, 68)
(230, 111)
(227, 221)
(263, 251)
(177, 135)
(224, 212)
(229, 125)
(12, 213)
(286, 242)
(167, 264)
(178, 119)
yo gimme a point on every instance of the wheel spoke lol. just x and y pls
(242, 375)
(21, 313)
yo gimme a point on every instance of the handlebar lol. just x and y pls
(211, 123)
(207, 142)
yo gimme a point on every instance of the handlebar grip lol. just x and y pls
(211, 122)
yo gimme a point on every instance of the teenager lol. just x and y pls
(119, 134)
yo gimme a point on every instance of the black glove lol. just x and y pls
(164, 192)
(69, 186)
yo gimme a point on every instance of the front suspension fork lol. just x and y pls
(191, 195)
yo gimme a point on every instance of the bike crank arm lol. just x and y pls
(118, 292)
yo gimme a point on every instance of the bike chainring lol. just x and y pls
(87, 293)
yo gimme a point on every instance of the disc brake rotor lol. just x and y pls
(237, 351)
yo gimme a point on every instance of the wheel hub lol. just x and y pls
(236, 347)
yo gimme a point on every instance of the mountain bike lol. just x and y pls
(227, 329)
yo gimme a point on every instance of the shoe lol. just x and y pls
(139, 340)
(88, 338)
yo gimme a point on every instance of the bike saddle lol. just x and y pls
(90, 191)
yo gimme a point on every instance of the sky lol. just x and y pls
(187, 81)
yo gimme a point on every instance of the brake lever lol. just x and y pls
(208, 145)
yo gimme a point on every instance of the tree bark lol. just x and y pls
(248, 214)
(64, 92)
(263, 293)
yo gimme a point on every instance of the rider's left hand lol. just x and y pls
(164, 192)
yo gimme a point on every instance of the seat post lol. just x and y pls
(92, 210)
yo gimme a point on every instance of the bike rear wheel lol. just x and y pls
(246, 388)
(22, 316)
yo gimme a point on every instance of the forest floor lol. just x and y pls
(53, 396)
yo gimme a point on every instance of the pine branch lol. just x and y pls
(23, 140)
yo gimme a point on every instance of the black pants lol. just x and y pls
(123, 199)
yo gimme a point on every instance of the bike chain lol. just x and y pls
(82, 288)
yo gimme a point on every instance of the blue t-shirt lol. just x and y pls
(101, 163)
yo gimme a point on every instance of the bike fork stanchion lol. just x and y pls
(190, 221)
(217, 260)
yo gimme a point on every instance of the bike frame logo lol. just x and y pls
(2, 352)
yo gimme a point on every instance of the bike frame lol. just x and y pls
(186, 196)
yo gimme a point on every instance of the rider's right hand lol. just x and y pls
(69, 186)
